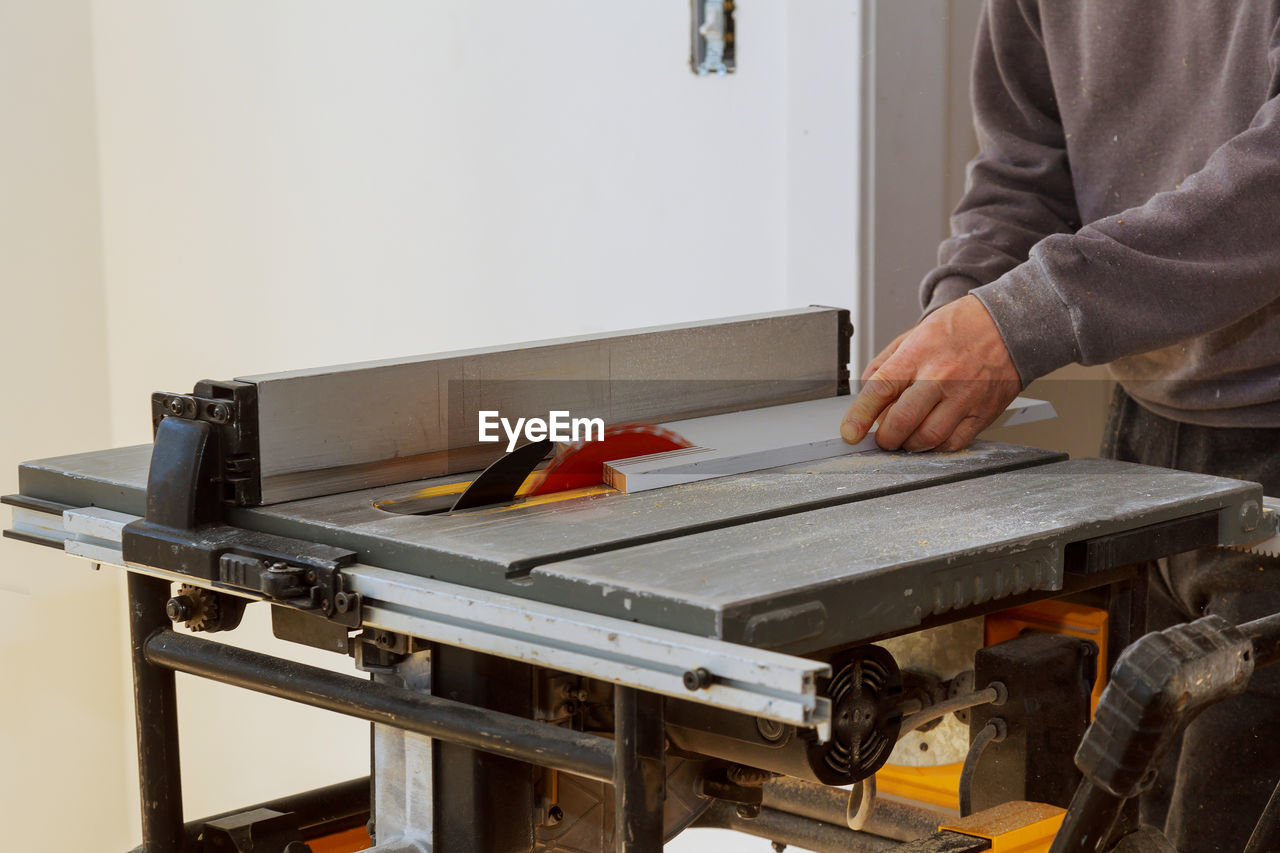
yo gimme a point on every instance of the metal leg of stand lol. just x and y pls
(639, 770)
(483, 803)
(155, 702)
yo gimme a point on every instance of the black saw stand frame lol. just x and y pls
(632, 762)
(487, 744)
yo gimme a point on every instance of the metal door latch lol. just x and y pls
(713, 37)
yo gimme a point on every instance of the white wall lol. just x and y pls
(289, 184)
(824, 172)
(61, 641)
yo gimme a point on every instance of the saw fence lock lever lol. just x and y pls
(204, 461)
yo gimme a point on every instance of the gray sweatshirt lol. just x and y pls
(1125, 203)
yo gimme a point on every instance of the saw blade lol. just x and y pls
(581, 464)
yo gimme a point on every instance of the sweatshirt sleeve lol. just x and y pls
(1185, 263)
(1019, 186)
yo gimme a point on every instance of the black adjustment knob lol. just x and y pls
(179, 608)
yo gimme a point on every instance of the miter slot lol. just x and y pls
(522, 567)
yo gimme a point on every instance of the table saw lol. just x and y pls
(592, 669)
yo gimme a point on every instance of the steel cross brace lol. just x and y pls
(634, 762)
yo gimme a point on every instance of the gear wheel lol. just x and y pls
(196, 608)
(1270, 548)
(1267, 547)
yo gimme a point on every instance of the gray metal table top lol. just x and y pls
(833, 551)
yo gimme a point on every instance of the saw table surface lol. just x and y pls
(800, 557)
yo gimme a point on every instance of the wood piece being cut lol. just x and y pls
(756, 439)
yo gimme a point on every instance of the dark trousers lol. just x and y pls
(1212, 789)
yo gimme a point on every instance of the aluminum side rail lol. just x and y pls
(724, 675)
(752, 681)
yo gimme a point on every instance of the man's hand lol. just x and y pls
(937, 385)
